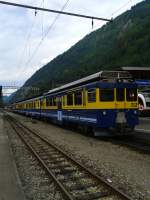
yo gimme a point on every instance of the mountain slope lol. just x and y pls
(124, 42)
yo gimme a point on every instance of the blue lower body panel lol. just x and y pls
(93, 118)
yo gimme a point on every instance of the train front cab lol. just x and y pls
(117, 107)
(103, 106)
(99, 105)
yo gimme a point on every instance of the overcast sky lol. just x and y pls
(21, 32)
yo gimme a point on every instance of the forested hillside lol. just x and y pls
(123, 42)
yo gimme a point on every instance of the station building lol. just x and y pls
(142, 77)
(139, 73)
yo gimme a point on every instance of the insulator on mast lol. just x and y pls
(92, 23)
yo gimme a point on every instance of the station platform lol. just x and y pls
(144, 125)
(10, 187)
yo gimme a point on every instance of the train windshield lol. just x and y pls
(120, 94)
(107, 94)
(131, 94)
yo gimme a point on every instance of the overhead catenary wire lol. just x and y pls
(54, 11)
(26, 44)
(35, 8)
(57, 16)
(45, 35)
(116, 11)
(43, 20)
(121, 7)
(39, 44)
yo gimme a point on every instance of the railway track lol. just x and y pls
(72, 179)
(134, 142)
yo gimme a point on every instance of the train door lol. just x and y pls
(59, 111)
(40, 106)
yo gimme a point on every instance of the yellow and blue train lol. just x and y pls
(106, 100)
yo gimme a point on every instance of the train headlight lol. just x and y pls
(104, 112)
(135, 112)
(119, 80)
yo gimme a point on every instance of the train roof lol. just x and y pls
(99, 76)
(29, 99)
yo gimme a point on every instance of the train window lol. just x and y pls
(42, 103)
(78, 98)
(69, 99)
(48, 101)
(54, 101)
(107, 94)
(120, 94)
(51, 101)
(64, 102)
(131, 94)
(92, 95)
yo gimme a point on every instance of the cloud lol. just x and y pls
(21, 31)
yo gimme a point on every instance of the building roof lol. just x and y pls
(136, 68)
(102, 75)
(138, 72)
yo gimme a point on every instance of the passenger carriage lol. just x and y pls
(103, 101)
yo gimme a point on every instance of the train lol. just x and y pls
(104, 103)
(144, 103)
(144, 97)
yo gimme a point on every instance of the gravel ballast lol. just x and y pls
(127, 169)
(34, 180)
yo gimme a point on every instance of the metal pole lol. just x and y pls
(54, 11)
(1, 97)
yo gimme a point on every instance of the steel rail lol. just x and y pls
(50, 174)
(54, 11)
(137, 145)
(93, 175)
